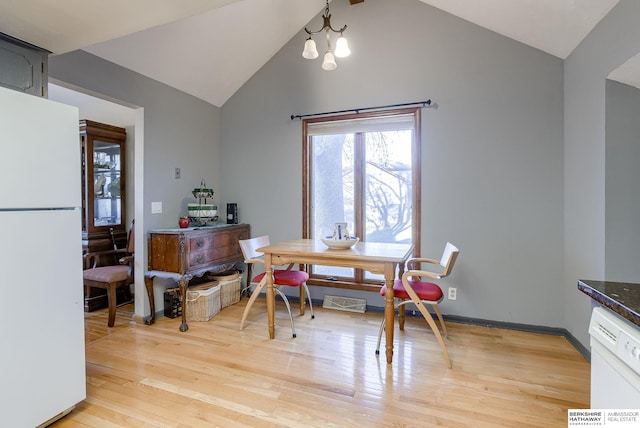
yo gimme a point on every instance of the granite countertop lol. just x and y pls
(621, 297)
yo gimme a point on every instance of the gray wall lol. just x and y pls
(614, 40)
(492, 148)
(513, 150)
(172, 129)
(622, 188)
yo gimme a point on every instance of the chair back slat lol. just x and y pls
(249, 246)
(449, 258)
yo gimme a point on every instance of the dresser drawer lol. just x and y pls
(221, 239)
(207, 256)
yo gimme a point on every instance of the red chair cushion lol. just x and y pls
(292, 278)
(424, 290)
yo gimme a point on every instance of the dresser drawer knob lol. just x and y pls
(199, 243)
(200, 259)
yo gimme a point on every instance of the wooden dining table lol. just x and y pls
(374, 257)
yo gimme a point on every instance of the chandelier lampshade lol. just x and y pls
(310, 51)
(329, 62)
(342, 47)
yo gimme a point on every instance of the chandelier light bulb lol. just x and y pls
(329, 62)
(310, 51)
(342, 47)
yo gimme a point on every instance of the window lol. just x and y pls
(363, 169)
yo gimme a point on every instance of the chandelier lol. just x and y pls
(342, 48)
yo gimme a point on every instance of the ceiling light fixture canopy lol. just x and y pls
(342, 47)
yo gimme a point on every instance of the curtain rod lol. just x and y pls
(358, 110)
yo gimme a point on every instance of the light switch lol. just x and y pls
(177, 174)
(156, 207)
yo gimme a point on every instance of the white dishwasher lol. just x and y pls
(615, 361)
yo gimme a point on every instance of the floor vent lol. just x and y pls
(349, 304)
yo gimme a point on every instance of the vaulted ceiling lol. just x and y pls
(150, 36)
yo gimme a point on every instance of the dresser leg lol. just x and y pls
(183, 296)
(148, 284)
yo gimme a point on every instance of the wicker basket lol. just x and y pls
(203, 302)
(229, 287)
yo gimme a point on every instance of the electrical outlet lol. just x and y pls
(452, 293)
(177, 175)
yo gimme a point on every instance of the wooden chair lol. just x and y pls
(110, 277)
(281, 277)
(411, 289)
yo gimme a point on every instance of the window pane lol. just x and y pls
(388, 187)
(332, 191)
(388, 195)
(106, 170)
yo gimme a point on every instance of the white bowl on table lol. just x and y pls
(340, 243)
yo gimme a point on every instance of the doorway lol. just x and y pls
(100, 109)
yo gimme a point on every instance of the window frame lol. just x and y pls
(360, 282)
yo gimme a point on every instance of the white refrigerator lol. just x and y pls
(42, 354)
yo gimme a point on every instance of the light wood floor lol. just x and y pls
(329, 376)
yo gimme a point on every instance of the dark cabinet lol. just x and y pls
(23, 66)
(103, 186)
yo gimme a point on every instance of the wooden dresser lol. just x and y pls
(181, 254)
